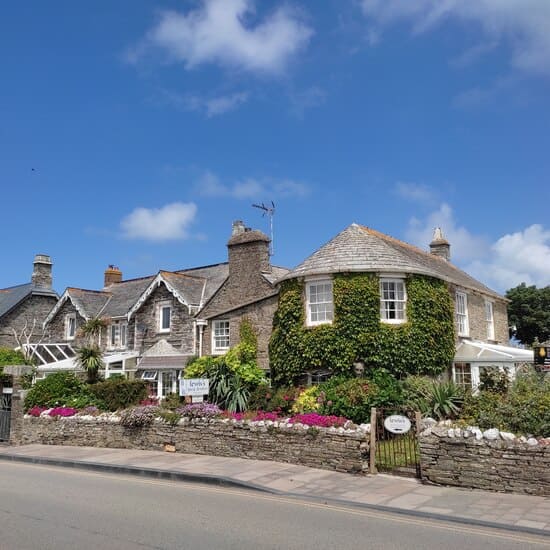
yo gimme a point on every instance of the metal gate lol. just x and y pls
(397, 453)
(5, 416)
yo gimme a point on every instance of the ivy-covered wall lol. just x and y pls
(422, 345)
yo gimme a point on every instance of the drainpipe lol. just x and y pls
(201, 323)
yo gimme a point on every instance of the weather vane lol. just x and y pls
(269, 211)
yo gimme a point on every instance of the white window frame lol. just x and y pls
(149, 375)
(68, 318)
(327, 313)
(118, 335)
(217, 335)
(490, 319)
(383, 302)
(161, 307)
(461, 314)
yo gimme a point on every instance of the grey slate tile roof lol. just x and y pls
(275, 274)
(362, 249)
(124, 295)
(215, 276)
(10, 297)
(89, 303)
(190, 287)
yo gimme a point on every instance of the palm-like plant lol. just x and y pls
(92, 328)
(91, 360)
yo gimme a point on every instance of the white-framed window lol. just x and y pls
(165, 316)
(118, 334)
(319, 303)
(461, 313)
(463, 375)
(220, 336)
(489, 319)
(149, 375)
(70, 326)
(393, 301)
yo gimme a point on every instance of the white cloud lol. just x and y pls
(521, 257)
(523, 24)
(218, 31)
(209, 106)
(209, 185)
(514, 258)
(464, 245)
(416, 192)
(170, 222)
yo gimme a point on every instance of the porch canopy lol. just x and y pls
(162, 356)
(471, 351)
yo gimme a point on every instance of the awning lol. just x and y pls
(473, 351)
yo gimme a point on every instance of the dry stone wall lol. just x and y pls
(492, 464)
(342, 452)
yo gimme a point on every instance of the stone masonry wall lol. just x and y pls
(181, 334)
(34, 307)
(56, 327)
(260, 315)
(476, 317)
(498, 465)
(346, 452)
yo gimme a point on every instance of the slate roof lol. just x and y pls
(124, 295)
(12, 296)
(275, 274)
(189, 287)
(89, 303)
(215, 275)
(362, 249)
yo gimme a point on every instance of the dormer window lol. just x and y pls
(70, 327)
(393, 301)
(320, 308)
(165, 317)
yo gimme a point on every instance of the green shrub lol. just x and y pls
(444, 400)
(119, 393)
(283, 399)
(9, 356)
(348, 397)
(169, 417)
(525, 409)
(494, 380)
(307, 401)
(260, 397)
(171, 401)
(59, 389)
(414, 391)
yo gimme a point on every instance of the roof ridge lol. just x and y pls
(74, 288)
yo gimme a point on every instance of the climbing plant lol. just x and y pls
(424, 344)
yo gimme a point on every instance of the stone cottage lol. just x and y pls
(154, 325)
(24, 307)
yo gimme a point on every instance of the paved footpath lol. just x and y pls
(383, 492)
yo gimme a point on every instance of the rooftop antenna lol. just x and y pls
(269, 211)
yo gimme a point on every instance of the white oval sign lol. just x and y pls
(397, 424)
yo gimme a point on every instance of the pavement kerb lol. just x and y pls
(224, 481)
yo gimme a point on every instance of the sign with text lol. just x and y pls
(397, 424)
(194, 386)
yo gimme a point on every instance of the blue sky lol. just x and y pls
(134, 133)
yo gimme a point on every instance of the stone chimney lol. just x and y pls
(112, 275)
(440, 245)
(248, 253)
(42, 272)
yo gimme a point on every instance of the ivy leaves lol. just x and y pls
(422, 345)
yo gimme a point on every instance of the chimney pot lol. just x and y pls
(238, 227)
(113, 275)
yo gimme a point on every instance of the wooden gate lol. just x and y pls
(5, 416)
(395, 453)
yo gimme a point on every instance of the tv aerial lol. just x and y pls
(268, 211)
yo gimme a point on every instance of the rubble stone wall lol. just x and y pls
(493, 465)
(316, 448)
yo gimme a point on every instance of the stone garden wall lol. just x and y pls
(492, 461)
(329, 449)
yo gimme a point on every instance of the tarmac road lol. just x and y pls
(44, 508)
